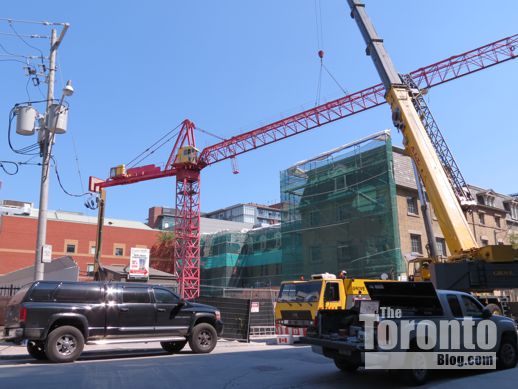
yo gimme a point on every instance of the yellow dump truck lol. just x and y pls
(299, 301)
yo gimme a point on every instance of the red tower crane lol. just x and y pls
(186, 163)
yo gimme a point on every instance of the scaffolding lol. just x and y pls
(339, 212)
(248, 259)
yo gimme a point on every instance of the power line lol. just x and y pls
(32, 36)
(24, 41)
(11, 173)
(61, 184)
(43, 22)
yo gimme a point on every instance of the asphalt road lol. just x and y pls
(231, 365)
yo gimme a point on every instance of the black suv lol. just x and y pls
(58, 318)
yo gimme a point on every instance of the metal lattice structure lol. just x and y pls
(448, 163)
(187, 254)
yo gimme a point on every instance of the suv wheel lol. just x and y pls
(36, 349)
(417, 374)
(64, 344)
(203, 338)
(173, 347)
(507, 355)
(345, 365)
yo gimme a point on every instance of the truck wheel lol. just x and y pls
(203, 338)
(494, 309)
(507, 355)
(345, 365)
(173, 347)
(36, 349)
(417, 374)
(64, 344)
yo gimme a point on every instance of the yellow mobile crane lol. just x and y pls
(470, 267)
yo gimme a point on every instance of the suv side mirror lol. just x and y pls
(181, 302)
(486, 313)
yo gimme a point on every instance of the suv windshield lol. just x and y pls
(300, 292)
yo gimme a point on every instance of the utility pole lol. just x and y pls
(46, 142)
(98, 273)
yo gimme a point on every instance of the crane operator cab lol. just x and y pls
(419, 269)
(187, 154)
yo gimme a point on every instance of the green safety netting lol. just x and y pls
(339, 213)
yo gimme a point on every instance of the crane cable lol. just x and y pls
(320, 44)
(147, 152)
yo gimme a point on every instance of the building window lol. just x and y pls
(118, 251)
(92, 250)
(411, 203)
(340, 182)
(485, 242)
(441, 246)
(314, 218)
(316, 254)
(90, 269)
(497, 221)
(343, 213)
(490, 201)
(71, 248)
(415, 241)
(343, 251)
(481, 218)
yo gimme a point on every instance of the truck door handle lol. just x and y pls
(123, 309)
(161, 309)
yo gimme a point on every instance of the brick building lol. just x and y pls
(494, 219)
(70, 234)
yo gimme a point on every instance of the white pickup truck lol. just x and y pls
(413, 320)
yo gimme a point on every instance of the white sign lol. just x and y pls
(254, 308)
(46, 253)
(139, 263)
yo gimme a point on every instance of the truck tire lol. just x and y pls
(64, 344)
(417, 374)
(173, 347)
(507, 355)
(494, 309)
(36, 349)
(203, 338)
(345, 365)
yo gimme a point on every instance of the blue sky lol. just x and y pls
(140, 68)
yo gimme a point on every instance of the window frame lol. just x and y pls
(119, 246)
(70, 242)
(412, 207)
(475, 302)
(412, 243)
(147, 289)
(176, 298)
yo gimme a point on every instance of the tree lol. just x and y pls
(162, 252)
